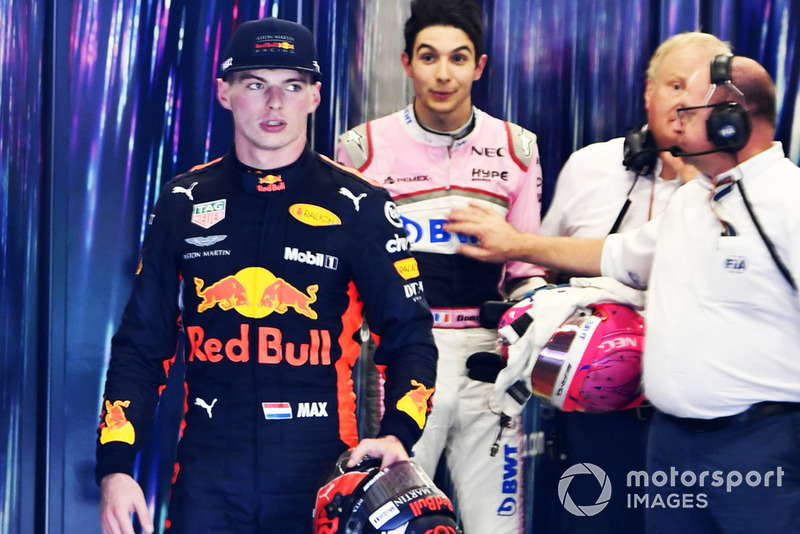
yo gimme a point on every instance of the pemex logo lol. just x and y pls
(255, 292)
(602, 499)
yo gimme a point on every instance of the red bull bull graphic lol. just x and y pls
(281, 295)
(226, 293)
(416, 403)
(255, 292)
(115, 426)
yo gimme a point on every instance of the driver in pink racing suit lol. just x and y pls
(438, 153)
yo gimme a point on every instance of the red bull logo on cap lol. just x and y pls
(280, 44)
(255, 292)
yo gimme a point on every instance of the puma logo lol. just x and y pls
(356, 199)
(207, 407)
(328, 489)
(187, 192)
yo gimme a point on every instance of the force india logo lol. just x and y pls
(255, 292)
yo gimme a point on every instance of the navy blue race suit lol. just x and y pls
(266, 275)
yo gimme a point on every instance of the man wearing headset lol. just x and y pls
(723, 316)
(611, 187)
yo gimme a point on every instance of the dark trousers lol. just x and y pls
(745, 478)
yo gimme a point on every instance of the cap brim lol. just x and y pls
(315, 74)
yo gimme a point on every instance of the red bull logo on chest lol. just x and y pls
(255, 292)
(270, 347)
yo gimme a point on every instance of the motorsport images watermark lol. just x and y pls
(675, 480)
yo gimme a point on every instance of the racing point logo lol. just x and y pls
(255, 292)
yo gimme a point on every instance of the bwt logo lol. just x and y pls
(510, 484)
(602, 498)
(433, 232)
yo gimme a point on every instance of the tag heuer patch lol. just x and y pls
(209, 213)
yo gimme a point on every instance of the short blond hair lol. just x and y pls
(701, 40)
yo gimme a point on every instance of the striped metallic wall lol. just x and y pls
(104, 100)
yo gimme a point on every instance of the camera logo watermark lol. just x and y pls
(602, 499)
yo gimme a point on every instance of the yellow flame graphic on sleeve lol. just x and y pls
(116, 426)
(415, 403)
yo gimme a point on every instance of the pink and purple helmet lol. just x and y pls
(593, 362)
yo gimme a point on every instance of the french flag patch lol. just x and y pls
(277, 410)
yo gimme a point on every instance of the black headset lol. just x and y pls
(639, 153)
(728, 125)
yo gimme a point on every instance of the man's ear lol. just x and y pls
(479, 66)
(316, 87)
(648, 92)
(406, 61)
(222, 93)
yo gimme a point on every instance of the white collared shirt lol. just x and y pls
(591, 190)
(723, 326)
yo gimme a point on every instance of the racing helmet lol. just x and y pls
(593, 361)
(365, 499)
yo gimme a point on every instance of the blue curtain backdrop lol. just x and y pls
(104, 100)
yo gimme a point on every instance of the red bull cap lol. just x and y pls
(271, 43)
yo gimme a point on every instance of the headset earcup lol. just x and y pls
(728, 126)
(639, 153)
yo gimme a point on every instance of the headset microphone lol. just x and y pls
(679, 153)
